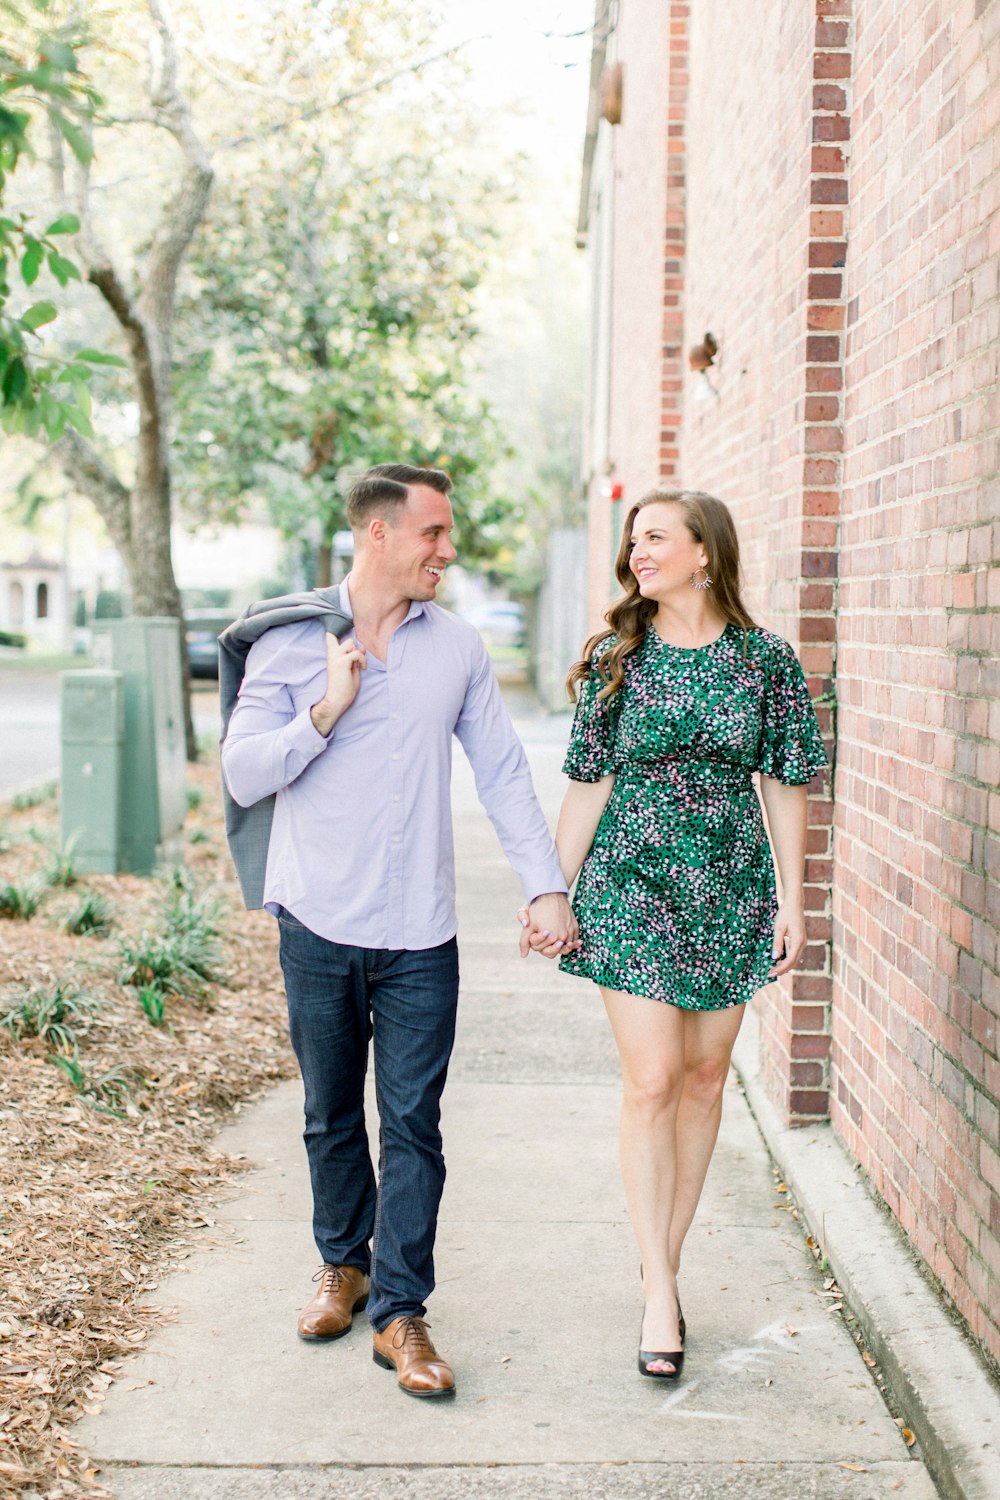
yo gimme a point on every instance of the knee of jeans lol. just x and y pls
(412, 1128)
(326, 1116)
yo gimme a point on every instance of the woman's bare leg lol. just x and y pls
(650, 1039)
(709, 1038)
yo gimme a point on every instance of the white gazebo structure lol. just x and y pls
(34, 601)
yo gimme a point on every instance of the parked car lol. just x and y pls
(202, 634)
(500, 622)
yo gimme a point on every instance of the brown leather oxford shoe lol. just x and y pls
(404, 1345)
(342, 1290)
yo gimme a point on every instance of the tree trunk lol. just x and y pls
(139, 518)
(138, 521)
(151, 575)
(324, 562)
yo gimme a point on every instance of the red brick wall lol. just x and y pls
(765, 251)
(840, 199)
(917, 901)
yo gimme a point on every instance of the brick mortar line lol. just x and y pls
(938, 1163)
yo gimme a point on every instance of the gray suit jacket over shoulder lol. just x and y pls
(248, 829)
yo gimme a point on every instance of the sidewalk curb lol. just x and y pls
(936, 1378)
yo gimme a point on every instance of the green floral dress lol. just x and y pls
(676, 899)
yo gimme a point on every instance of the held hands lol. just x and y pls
(789, 940)
(548, 926)
(345, 661)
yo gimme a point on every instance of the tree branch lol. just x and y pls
(136, 119)
(358, 93)
(93, 477)
(183, 214)
(259, 89)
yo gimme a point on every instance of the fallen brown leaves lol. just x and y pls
(93, 1207)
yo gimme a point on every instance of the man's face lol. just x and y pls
(417, 546)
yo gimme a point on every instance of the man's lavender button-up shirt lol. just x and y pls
(361, 847)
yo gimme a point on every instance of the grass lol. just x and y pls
(90, 918)
(38, 660)
(34, 796)
(62, 870)
(186, 954)
(109, 1092)
(153, 1001)
(160, 960)
(54, 1014)
(20, 899)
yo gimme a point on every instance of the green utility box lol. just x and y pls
(92, 713)
(146, 652)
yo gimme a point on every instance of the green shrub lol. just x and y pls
(20, 899)
(183, 957)
(194, 921)
(178, 963)
(109, 1091)
(52, 1014)
(91, 918)
(62, 870)
(153, 1001)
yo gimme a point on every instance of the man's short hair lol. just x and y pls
(384, 489)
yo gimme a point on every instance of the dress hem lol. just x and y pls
(665, 999)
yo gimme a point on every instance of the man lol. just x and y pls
(355, 736)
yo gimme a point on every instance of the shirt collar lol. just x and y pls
(415, 610)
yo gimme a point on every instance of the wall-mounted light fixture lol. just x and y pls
(700, 358)
(702, 355)
(612, 80)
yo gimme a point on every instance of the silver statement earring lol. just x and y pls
(700, 583)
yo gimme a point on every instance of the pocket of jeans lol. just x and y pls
(286, 919)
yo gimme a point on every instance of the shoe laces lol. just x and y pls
(330, 1278)
(412, 1331)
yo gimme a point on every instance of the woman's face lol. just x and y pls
(664, 553)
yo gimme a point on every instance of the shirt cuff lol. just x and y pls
(543, 882)
(304, 736)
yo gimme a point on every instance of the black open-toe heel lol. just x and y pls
(648, 1357)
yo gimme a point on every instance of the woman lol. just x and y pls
(680, 701)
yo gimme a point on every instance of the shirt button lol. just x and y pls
(395, 797)
(395, 837)
(394, 755)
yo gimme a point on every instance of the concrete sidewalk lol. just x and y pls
(537, 1304)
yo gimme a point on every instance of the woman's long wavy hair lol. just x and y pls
(710, 523)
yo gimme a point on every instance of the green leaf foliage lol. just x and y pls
(31, 260)
(39, 76)
(97, 357)
(65, 224)
(331, 326)
(38, 314)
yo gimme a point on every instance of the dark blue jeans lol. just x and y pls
(339, 997)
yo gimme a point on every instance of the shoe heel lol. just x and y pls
(380, 1359)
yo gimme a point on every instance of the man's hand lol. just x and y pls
(345, 661)
(548, 926)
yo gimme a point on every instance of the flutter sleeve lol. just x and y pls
(791, 746)
(590, 754)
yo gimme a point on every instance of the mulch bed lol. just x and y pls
(100, 1194)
